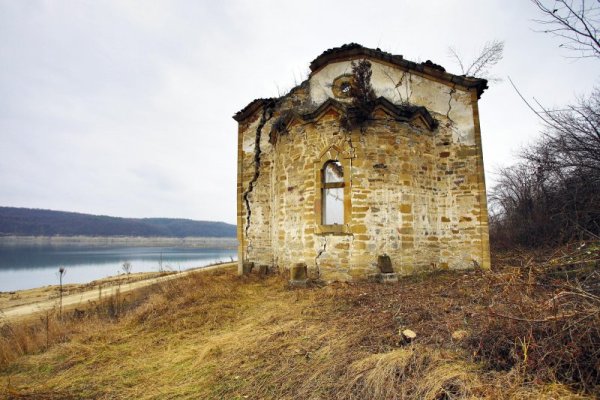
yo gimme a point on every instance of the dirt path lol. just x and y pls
(82, 298)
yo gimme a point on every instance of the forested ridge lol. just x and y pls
(36, 222)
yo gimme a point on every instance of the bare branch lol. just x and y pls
(574, 21)
(454, 54)
(491, 53)
(553, 194)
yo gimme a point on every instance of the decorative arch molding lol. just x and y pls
(333, 152)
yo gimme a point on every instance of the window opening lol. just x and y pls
(333, 193)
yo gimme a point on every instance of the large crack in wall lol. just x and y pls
(319, 254)
(451, 92)
(267, 114)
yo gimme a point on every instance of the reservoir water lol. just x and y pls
(30, 266)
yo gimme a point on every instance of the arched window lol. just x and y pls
(332, 184)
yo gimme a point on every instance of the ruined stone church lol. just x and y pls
(371, 166)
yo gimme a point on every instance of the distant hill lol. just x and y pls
(35, 222)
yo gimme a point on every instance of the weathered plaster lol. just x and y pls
(413, 194)
(400, 86)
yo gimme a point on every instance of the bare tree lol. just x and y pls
(576, 22)
(552, 194)
(490, 55)
(126, 267)
(571, 138)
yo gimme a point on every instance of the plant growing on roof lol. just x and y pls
(279, 127)
(362, 95)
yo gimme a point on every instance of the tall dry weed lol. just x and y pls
(411, 372)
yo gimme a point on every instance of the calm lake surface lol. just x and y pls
(30, 266)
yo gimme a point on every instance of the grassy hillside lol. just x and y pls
(517, 332)
(34, 222)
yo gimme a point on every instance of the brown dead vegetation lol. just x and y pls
(31, 296)
(529, 330)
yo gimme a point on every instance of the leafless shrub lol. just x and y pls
(490, 55)
(126, 267)
(571, 138)
(552, 195)
(545, 322)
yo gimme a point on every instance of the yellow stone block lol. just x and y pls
(359, 229)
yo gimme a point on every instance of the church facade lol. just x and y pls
(372, 158)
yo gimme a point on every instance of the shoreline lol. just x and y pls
(27, 302)
(198, 242)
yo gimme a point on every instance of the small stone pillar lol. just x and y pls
(263, 270)
(299, 275)
(387, 274)
(247, 267)
(385, 264)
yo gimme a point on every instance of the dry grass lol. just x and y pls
(29, 296)
(415, 372)
(218, 336)
(41, 332)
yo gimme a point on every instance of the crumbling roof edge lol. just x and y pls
(251, 108)
(257, 103)
(354, 50)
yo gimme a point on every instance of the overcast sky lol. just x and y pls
(124, 107)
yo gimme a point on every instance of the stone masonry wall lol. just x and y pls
(414, 194)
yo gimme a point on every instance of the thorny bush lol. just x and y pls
(552, 337)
